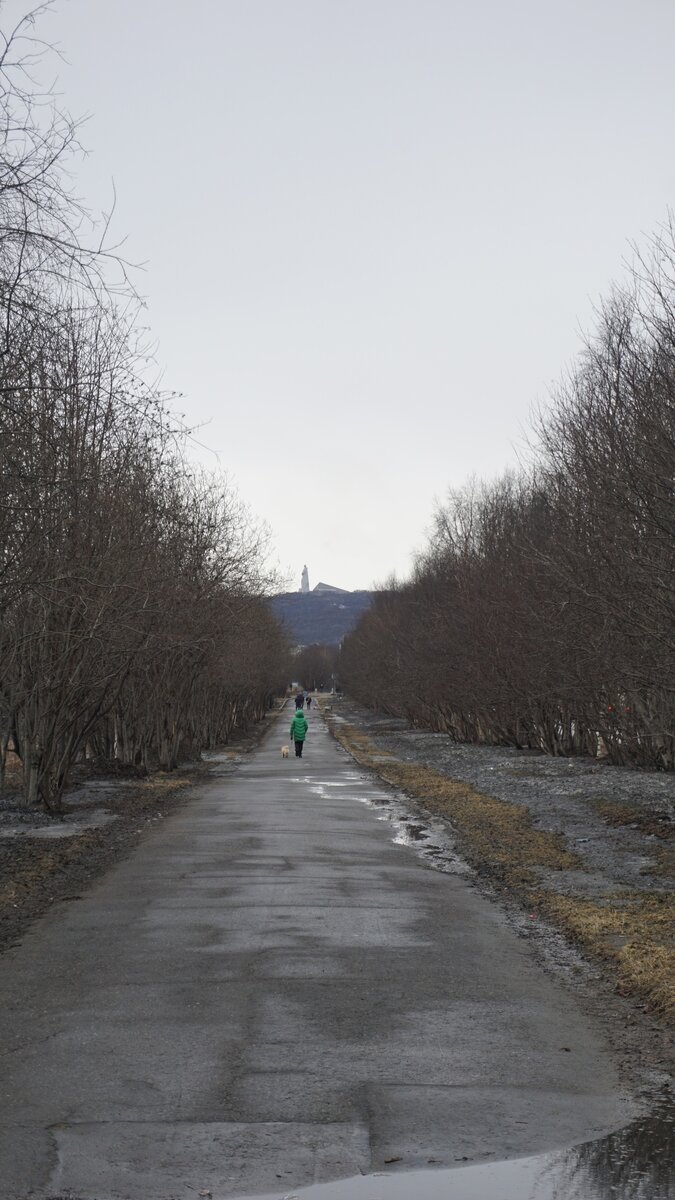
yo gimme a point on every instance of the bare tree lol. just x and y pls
(543, 612)
(132, 621)
(49, 241)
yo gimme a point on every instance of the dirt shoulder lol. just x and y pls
(45, 860)
(576, 847)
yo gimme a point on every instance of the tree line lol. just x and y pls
(315, 667)
(133, 621)
(542, 612)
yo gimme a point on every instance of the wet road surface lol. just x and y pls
(271, 993)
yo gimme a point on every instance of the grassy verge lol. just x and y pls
(632, 933)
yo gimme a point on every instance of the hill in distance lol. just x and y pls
(323, 616)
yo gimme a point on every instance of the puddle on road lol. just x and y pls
(634, 1163)
(426, 834)
(429, 837)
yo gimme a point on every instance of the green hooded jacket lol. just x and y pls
(299, 727)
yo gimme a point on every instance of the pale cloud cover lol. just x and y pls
(371, 229)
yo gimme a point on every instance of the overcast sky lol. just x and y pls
(372, 229)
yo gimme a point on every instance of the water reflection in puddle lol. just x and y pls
(634, 1163)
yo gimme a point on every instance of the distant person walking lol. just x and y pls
(309, 703)
(299, 729)
(300, 700)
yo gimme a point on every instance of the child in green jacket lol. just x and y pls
(299, 729)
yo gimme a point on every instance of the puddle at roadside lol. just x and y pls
(429, 837)
(633, 1163)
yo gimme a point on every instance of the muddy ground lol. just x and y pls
(580, 853)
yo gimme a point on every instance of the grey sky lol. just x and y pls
(372, 228)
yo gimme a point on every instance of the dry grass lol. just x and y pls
(617, 813)
(634, 932)
(163, 783)
(614, 812)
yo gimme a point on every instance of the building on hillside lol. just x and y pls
(320, 587)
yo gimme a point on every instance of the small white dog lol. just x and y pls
(284, 751)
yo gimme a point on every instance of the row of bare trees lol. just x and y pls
(133, 625)
(542, 613)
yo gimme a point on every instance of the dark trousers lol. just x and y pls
(298, 749)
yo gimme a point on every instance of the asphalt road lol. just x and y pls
(270, 992)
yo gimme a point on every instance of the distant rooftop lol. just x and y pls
(327, 587)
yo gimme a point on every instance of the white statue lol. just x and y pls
(304, 583)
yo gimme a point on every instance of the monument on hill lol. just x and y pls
(319, 587)
(322, 615)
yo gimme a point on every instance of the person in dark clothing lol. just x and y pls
(309, 703)
(300, 700)
(299, 729)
